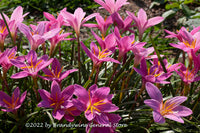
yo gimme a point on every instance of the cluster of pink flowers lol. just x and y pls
(96, 103)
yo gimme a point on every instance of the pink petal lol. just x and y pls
(89, 17)
(89, 116)
(158, 117)
(174, 118)
(55, 90)
(154, 104)
(101, 118)
(16, 93)
(67, 93)
(102, 92)
(58, 114)
(81, 93)
(154, 92)
(45, 95)
(107, 107)
(182, 111)
(69, 118)
(49, 16)
(66, 73)
(23, 96)
(19, 75)
(175, 101)
(142, 16)
(154, 21)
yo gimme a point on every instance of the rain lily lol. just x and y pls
(16, 17)
(189, 42)
(32, 65)
(50, 26)
(168, 66)
(188, 76)
(58, 20)
(71, 112)
(141, 53)
(7, 55)
(102, 24)
(98, 56)
(127, 43)
(57, 99)
(12, 103)
(55, 73)
(170, 109)
(77, 19)
(3, 34)
(178, 35)
(123, 25)
(96, 103)
(112, 6)
(142, 23)
(109, 42)
(152, 74)
(37, 36)
(106, 128)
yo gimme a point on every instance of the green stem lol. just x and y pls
(97, 75)
(79, 60)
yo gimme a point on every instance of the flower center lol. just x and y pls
(187, 44)
(166, 109)
(13, 103)
(2, 29)
(93, 107)
(56, 103)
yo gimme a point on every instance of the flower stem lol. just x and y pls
(35, 86)
(79, 59)
(186, 89)
(97, 74)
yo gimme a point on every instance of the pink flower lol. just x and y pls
(3, 34)
(112, 6)
(179, 32)
(32, 65)
(7, 55)
(190, 41)
(102, 24)
(12, 103)
(52, 19)
(142, 23)
(98, 56)
(37, 36)
(77, 19)
(56, 72)
(128, 43)
(152, 74)
(188, 76)
(58, 100)
(16, 17)
(170, 109)
(109, 42)
(122, 24)
(96, 103)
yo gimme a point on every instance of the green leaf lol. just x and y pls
(171, 6)
(168, 13)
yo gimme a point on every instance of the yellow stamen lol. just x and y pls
(59, 72)
(2, 29)
(38, 63)
(190, 45)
